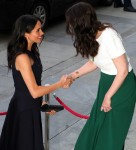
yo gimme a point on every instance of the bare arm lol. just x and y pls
(122, 71)
(24, 65)
(86, 68)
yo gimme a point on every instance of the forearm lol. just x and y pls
(119, 79)
(88, 67)
(39, 91)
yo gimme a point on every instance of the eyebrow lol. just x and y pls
(38, 28)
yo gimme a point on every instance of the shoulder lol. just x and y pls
(110, 35)
(110, 32)
(23, 62)
(22, 56)
(23, 59)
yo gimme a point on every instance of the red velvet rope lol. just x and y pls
(64, 105)
(3, 113)
(69, 109)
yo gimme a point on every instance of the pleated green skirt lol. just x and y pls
(108, 131)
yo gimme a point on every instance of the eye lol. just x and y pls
(38, 30)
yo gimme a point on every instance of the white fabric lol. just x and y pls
(110, 47)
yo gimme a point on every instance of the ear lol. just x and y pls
(26, 36)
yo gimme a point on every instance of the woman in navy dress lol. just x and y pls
(22, 129)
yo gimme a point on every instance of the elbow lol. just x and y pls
(123, 73)
(34, 94)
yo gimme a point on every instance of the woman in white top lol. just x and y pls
(113, 109)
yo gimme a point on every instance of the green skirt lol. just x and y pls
(108, 131)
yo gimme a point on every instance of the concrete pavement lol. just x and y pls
(58, 58)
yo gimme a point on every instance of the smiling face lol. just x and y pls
(35, 36)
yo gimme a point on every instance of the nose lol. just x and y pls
(42, 33)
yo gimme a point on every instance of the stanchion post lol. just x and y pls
(47, 124)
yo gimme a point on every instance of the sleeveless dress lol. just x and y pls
(22, 129)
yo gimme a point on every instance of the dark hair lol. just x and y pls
(82, 25)
(18, 43)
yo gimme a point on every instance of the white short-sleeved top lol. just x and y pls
(110, 47)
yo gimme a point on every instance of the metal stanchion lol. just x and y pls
(47, 124)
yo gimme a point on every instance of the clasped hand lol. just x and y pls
(66, 81)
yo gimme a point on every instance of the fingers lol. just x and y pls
(67, 81)
(105, 108)
(70, 80)
(106, 105)
(52, 112)
(44, 102)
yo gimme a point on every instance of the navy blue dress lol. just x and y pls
(22, 129)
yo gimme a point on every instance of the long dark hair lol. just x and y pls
(18, 43)
(82, 25)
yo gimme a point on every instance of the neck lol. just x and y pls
(29, 47)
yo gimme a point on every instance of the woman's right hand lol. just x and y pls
(65, 81)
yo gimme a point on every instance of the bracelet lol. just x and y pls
(77, 72)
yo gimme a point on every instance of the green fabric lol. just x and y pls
(108, 131)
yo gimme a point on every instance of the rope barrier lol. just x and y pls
(3, 113)
(69, 109)
(65, 106)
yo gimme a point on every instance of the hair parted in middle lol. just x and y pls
(83, 26)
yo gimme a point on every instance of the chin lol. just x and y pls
(39, 41)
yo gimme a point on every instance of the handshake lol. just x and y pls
(67, 80)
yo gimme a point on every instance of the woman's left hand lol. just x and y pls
(52, 112)
(106, 105)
